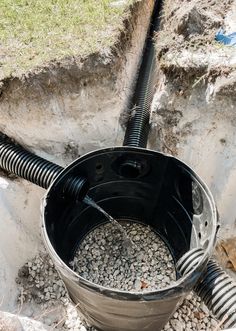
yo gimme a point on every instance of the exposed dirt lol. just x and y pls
(76, 102)
(72, 106)
(193, 112)
(226, 253)
(190, 25)
(186, 45)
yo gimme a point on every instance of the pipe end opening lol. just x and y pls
(131, 169)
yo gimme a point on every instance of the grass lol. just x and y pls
(34, 32)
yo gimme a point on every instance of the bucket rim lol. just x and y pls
(183, 284)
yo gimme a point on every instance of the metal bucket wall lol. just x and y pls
(165, 194)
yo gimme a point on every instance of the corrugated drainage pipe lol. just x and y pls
(138, 126)
(216, 288)
(17, 160)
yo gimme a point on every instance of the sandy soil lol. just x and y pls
(73, 106)
(193, 113)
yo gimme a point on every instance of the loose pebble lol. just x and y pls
(103, 258)
(44, 288)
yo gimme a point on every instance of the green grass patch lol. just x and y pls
(33, 32)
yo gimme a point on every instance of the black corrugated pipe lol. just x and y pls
(17, 160)
(137, 130)
(216, 288)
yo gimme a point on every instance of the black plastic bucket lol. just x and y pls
(139, 185)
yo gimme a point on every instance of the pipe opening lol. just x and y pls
(131, 169)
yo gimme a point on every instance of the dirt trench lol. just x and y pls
(72, 107)
(194, 109)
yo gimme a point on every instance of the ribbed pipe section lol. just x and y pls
(37, 170)
(138, 125)
(189, 261)
(26, 165)
(216, 288)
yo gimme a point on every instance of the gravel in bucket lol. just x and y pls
(39, 286)
(103, 259)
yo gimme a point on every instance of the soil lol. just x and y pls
(186, 47)
(193, 114)
(190, 26)
(69, 107)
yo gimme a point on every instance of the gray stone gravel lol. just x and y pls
(192, 315)
(39, 282)
(39, 277)
(104, 259)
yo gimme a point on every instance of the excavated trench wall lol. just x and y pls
(194, 109)
(202, 133)
(68, 109)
